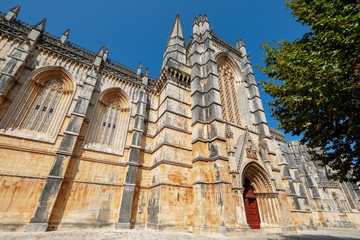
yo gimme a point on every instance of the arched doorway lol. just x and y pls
(260, 201)
(251, 207)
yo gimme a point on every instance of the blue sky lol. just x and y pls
(138, 30)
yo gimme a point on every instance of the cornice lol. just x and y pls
(14, 28)
(20, 30)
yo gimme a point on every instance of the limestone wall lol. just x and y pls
(190, 140)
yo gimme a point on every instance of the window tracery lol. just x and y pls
(43, 109)
(228, 93)
(108, 127)
(40, 107)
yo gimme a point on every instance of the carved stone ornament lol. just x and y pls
(328, 184)
(250, 150)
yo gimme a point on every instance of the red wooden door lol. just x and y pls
(251, 209)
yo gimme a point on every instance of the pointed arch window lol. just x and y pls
(108, 127)
(228, 93)
(43, 108)
(40, 107)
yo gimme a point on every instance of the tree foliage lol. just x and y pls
(315, 82)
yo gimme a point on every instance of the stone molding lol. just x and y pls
(328, 184)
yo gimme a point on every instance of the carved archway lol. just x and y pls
(251, 206)
(256, 180)
(258, 176)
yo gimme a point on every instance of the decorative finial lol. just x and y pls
(239, 43)
(101, 51)
(13, 13)
(106, 54)
(41, 25)
(65, 36)
(16, 9)
(205, 18)
(195, 21)
(200, 18)
(146, 71)
(138, 72)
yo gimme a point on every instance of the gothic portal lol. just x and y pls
(87, 143)
(251, 206)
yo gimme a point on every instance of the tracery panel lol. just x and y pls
(228, 93)
(108, 128)
(40, 107)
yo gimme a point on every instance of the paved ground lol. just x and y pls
(331, 234)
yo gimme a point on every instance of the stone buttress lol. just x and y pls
(19, 56)
(133, 160)
(170, 190)
(43, 210)
(87, 143)
(213, 210)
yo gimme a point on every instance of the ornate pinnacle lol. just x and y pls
(200, 18)
(176, 32)
(13, 13)
(240, 43)
(101, 51)
(67, 32)
(16, 9)
(145, 78)
(195, 21)
(138, 72)
(205, 19)
(41, 25)
(106, 54)
(65, 36)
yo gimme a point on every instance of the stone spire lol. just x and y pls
(99, 58)
(101, 51)
(37, 30)
(65, 36)
(138, 72)
(13, 13)
(41, 25)
(177, 32)
(106, 54)
(176, 44)
(241, 46)
(145, 78)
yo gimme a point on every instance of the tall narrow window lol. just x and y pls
(108, 128)
(40, 106)
(228, 93)
(43, 109)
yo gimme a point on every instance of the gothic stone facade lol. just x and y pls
(88, 143)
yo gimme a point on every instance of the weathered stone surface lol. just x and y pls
(129, 151)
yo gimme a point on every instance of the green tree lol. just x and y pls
(315, 82)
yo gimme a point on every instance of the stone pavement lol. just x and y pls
(331, 234)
